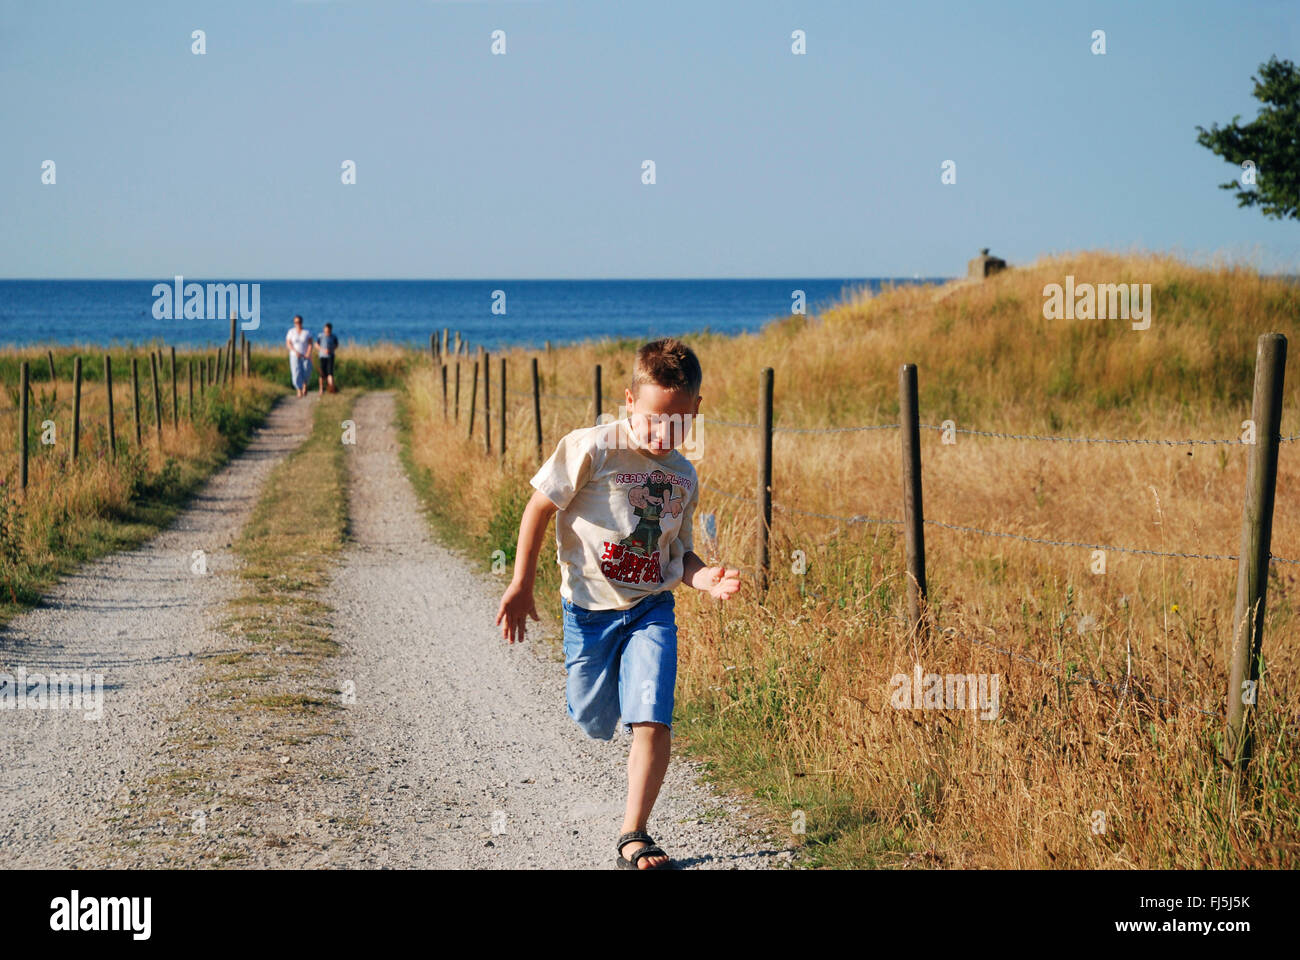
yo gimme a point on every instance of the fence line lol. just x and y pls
(990, 433)
(1256, 524)
(754, 426)
(156, 370)
(745, 425)
(856, 518)
(1124, 440)
(862, 518)
(1125, 689)
(1090, 546)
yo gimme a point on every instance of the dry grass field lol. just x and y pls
(73, 512)
(790, 698)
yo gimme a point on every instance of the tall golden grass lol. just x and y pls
(70, 511)
(790, 698)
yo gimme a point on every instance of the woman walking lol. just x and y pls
(299, 342)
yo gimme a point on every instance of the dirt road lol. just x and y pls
(142, 619)
(457, 751)
(477, 763)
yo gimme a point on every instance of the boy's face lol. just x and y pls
(661, 418)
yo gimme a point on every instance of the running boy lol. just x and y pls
(623, 499)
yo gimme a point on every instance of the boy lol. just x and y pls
(326, 344)
(623, 498)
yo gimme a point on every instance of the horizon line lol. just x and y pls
(468, 279)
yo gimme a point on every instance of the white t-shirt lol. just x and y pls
(300, 339)
(624, 523)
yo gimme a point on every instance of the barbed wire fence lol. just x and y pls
(218, 368)
(1261, 434)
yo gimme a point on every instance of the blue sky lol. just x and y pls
(469, 165)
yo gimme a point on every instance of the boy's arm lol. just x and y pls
(518, 604)
(555, 485)
(720, 582)
(532, 531)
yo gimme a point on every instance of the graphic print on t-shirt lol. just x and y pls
(635, 558)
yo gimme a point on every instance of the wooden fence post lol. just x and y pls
(248, 358)
(487, 402)
(443, 350)
(24, 409)
(913, 514)
(502, 431)
(135, 399)
(457, 405)
(763, 556)
(54, 381)
(537, 409)
(433, 347)
(457, 343)
(176, 407)
(1256, 541)
(444, 392)
(157, 394)
(108, 389)
(230, 367)
(596, 395)
(473, 398)
(191, 407)
(76, 408)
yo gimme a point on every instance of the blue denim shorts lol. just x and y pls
(621, 664)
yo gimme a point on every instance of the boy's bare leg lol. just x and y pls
(647, 762)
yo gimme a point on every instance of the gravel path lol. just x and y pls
(456, 753)
(474, 761)
(143, 620)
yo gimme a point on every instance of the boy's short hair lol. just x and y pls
(667, 363)
(329, 326)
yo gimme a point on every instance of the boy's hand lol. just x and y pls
(517, 605)
(720, 582)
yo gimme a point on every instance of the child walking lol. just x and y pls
(623, 497)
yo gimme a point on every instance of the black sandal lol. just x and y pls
(649, 850)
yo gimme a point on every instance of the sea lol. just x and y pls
(493, 314)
